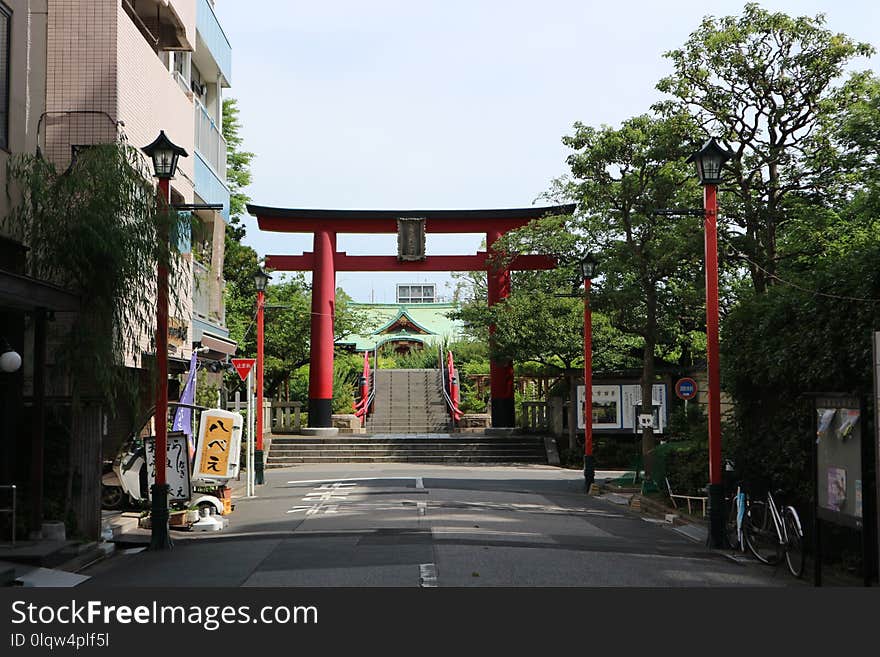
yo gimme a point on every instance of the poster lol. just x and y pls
(848, 421)
(826, 417)
(606, 407)
(836, 488)
(631, 397)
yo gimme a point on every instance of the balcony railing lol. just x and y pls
(207, 299)
(209, 141)
(201, 294)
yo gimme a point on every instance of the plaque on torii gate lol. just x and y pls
(411, 227)
(411, 239)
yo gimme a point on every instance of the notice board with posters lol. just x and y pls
(839, 471)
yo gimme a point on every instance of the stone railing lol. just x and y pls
(286, 417)
(535, 416)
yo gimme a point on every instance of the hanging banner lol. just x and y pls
(183, 416)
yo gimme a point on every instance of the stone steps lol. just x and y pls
(440, 449)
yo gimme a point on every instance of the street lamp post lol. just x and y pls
(164, 155)
(261, 280)
(589, 266)
(709, 161)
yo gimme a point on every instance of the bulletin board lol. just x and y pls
(839, 472)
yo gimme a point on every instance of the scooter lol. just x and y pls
(126, 480)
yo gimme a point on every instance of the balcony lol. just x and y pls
(208, 28)
(209, 141)
(207, 298)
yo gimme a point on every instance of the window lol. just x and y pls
(5, 20)
(415, 293)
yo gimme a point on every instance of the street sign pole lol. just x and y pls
(251, 473)
(245, 369)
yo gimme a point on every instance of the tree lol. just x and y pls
(649, 286)
(238, 167)
(240, 261)
(96, 229)
(765, 84)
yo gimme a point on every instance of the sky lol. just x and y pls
(447, 104)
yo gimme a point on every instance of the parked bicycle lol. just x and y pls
(769, 534)
(735, 526)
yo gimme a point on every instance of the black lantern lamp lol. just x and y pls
(164, 154)
(589, 266)
(709, 161)
(261, 280)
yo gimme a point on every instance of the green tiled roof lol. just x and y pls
(429, 317)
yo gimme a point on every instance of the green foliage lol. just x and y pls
(347, 369)
(767, 84)
(206, 392)
(238, 167)
(95, 228)
(798, 339)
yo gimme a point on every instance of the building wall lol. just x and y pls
(150, 100)
(27, 80)
(81, 76)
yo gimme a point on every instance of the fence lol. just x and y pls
(286, 417)
(535, 416)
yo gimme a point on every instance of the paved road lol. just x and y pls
(423, 525)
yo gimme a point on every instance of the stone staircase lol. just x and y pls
(410, 424)
(413, 448)
(408, 401)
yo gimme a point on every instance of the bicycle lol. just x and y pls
(769, 534)
(735, 527)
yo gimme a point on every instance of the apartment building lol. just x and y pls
(82, 72)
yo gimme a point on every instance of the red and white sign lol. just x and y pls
(243, 366)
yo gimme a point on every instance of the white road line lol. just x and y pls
(422, 507)
(419, 482)
(343, 479)
(427, 575)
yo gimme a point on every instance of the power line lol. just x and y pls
(816, 293)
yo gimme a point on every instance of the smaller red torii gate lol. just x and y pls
(324, 261)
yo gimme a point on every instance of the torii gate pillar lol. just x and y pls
(322, 338)
(500, 373)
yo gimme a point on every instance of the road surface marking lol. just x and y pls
(319, 498)
(427, 575)
(344, 479)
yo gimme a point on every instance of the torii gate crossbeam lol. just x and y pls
(324, 261)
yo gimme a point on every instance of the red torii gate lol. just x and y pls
(324, 261)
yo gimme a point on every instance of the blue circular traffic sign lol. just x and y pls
(686, 388)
